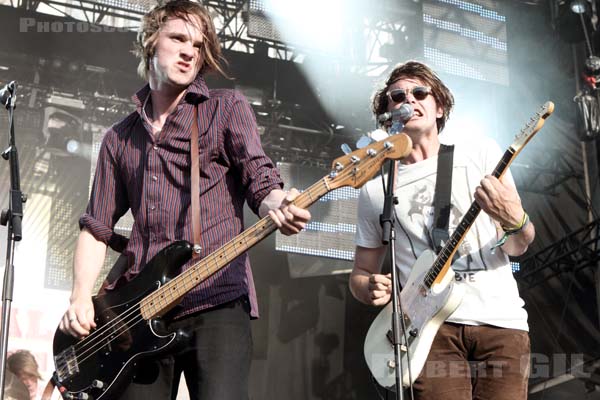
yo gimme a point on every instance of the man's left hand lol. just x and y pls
(500, 201)
(290, 219)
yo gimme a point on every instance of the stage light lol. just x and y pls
(578, 6)
(571, 20)
(290, 18)
(72, 146)
(59, 128)
(515, 266)
(78, 148)
(73, 67)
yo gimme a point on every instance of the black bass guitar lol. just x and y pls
(130, 321)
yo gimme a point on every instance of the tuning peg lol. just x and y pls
(364, 141)
(374, 136)
(346, 149)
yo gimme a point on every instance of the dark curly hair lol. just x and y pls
(418, 70)
(154, 20)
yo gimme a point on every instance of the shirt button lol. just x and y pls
(154, 178)
(155, 147)
(152, 208)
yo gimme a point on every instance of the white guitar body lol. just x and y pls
(425, 309)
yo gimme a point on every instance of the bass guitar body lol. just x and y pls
(102, 364)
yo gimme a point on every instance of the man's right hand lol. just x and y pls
(380, 289)
(79, 318)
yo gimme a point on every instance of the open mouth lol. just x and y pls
(184, 66)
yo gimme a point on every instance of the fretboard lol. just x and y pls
(163, 299)
(442, 262)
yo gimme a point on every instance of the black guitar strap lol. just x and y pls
(441, 200)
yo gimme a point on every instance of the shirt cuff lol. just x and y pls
(103, 233)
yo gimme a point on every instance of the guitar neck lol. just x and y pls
(162, 300)
(353, 169)
(444, 259)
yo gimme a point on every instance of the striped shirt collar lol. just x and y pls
(196, 92)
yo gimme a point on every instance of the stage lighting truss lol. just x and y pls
(286, 136)
(242, 26)
(124, 13)
(370, 43)
(575, 252)
(544, 170)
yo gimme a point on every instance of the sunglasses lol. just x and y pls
(399, 95)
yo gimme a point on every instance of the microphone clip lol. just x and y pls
(396, 128)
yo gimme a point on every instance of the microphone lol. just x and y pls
(6, 92)
(404, 113)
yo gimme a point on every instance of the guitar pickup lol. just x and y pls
(66, 363)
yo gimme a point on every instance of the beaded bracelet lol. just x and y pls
(511, 231)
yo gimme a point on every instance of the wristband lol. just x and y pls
(511, 231)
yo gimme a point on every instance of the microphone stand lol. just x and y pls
(389, 238)
(12, 217)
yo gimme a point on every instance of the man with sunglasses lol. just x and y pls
(482, 350)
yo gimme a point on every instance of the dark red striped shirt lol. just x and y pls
(152, 178)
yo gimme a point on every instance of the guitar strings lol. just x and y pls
(188, 275)
(95, 338)
(102, 337)
(99, 336)
(473, 211)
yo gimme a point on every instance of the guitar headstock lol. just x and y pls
(357, 168)
(533, 126)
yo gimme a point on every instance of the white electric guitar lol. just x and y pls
(430, 294)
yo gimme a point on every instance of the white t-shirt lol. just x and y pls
(491, 295)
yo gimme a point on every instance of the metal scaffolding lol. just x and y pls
(579, 249)
(234, 19)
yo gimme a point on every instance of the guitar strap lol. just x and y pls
(195, 186)
(122, 262)
(48, 389)
(441, 200)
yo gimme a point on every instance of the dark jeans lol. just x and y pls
(475, 362)
(216, 362)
